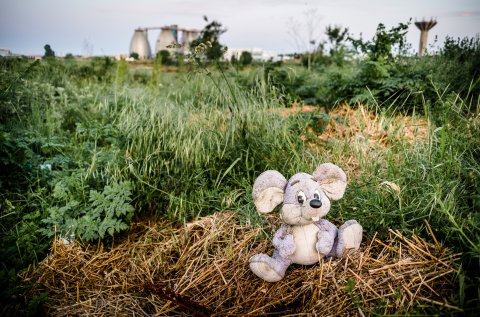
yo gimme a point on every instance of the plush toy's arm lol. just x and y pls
(283, 241)
(326, 236)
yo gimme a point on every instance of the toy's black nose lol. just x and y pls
(315, 203)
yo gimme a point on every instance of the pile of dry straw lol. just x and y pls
(202, 269)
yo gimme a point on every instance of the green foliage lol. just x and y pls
(49, 53)
(288, 81)
(385, 43)
(121, 73)
(211, 34)
(245, 58)
(337, 38)
(309, 124)
(134, 55)
(89, 217)
(193, 176)
(16, 157)
(165, 58)
(14, 92)
(458, 68)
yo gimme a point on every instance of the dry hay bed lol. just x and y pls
(202, 269)
(361, 132)
(360, 122)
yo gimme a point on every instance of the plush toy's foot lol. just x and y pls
(349, 238)
(266, 268)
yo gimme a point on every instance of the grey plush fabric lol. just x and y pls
(283, 241)
(268, 179)
(332, 179)
(268, 191)
(326, 237)
(276, 262)
(340, 248)
(300, 181)
(304, 237)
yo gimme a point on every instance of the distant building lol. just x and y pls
(5, 52)
(175, 39)
(258, 54)
(171, 38)
(139, 44)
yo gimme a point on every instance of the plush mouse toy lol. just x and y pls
(305, 238)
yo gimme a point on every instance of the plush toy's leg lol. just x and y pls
(270, 269)
(348, 239)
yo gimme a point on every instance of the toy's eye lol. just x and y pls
(316, 195)
(301, 197)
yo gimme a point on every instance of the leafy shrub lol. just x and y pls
(49, 53)
(14, 95)
(210, 34)
(16, 168)
(89, 217)
(245, 58)
(385, 45)
(165, 58)
(98, 69)
(458, 67)
(300, 85)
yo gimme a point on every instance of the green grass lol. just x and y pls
(191, 144)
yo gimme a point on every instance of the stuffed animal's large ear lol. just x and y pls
(332, 179)
(268, 190)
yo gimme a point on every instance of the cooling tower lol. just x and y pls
(167, 39)
(188, 36)
(140, 45)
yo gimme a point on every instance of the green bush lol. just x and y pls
(245, 58)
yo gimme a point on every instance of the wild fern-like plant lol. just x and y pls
(110, 209)
(89, 219)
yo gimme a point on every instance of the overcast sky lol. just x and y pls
(105, 27)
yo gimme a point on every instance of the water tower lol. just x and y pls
(139, 44)
(424, 27)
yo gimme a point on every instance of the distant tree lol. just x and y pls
(48, 52)
(305, 34)
(246, 58)
(210, 38)
(337, 36)
(134, 55)
(384, 44)
(165, 57)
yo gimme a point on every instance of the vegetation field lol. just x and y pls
(91, 150)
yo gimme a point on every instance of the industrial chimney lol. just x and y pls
(188, 36)
(139, 44)
(424, 27)
(167, 39)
